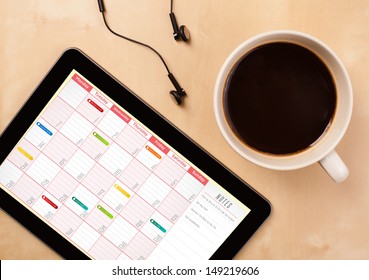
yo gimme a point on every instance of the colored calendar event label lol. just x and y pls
(111, 186)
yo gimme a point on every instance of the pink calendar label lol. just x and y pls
(113, 188)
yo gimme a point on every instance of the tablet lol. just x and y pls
(96, 173)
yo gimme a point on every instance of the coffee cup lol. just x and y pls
(283, 100)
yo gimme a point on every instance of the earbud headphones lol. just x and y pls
(180, 33)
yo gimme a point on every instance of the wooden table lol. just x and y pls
(312, 218)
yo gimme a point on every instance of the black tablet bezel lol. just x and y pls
(74, 59)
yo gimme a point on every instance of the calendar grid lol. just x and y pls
(101, 198)
(94, 172)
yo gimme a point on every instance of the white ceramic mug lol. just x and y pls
(323, 150)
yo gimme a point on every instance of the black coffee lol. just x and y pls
(279, 98)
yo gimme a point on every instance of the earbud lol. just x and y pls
(101, 5)
(177, 94)
(179, 33)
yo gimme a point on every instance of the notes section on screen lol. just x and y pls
(112, 187)
(212, 216)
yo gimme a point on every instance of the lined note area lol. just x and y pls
(131, 140)
(40, 134)
(57, 113)
(60, 150)
(169, 171)
(101, 217)
(79, 165)
(154, 191)
(43, 170)
(62, 186)
(99, 180)
(135, 175)
(77, 128)
(115, 159)
(81, 201)
(24, 156)
(118, 196)
(29, 194)
(73, 94)
(91, 109)
(120, 232)
(47, 205)
(112, 125)
(66, 222)
(206, 222)
(96, 143)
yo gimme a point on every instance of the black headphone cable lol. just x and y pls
(179, 90)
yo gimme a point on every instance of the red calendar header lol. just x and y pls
(159, 145)
(198, 176)
(82, 82)
(120, 114)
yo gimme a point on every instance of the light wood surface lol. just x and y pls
(312, 218)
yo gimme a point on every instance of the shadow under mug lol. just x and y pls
(323, 150)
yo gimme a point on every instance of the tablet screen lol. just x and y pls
(110, 186)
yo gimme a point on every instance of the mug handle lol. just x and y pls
(335, 167)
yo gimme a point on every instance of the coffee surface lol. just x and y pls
(279, 98)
